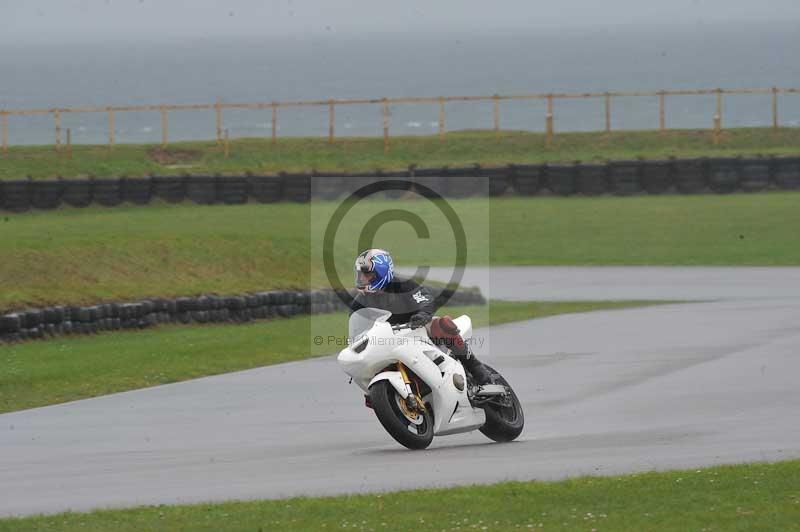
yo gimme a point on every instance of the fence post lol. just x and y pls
(331, 121)
(496, 114)
(549, 121)
(57, 116)
(110, 128)
(441, 118)
(164, 125)
(385, 113)
(775, 123)
(4, 116)
(274, 123)
(718, 117)
(608, 114)
(227, 144)
(662, 113)
(69, 143)
(218, 118)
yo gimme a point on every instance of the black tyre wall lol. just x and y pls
(296, 187)
(138, 191)
(327, 186)
(46, 194)
(17, 195)
(786, 172)
(170, 189)
(592, 179)
(657, 176)
(201, 189)
(266, 189)
(625, 177)
(77, 193)
(528, 179)
(755, 174)
(107, 192)
(561, 178)
(690, 175)
(232, 190)
(723, 174)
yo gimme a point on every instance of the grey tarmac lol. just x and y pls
(674, 386)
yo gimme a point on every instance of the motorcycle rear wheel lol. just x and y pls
(503, 424)
(385, 403)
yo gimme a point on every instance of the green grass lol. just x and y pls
(65, 369)
(353, 154)
(740, 497)
(81, 256)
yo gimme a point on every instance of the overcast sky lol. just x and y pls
(88, 20)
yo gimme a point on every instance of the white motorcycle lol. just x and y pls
(417, 390)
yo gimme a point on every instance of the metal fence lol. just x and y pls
(605, 98)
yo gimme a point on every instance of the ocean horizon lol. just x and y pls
(264, 69)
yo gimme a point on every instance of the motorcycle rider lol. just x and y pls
(412, 303)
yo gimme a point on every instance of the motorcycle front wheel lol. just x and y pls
(411, 429)
(504, 421)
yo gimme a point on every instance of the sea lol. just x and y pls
(157, 69)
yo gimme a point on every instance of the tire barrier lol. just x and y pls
(465, 182)
(327, 186)
(296, 187)
(266, 189)
(201, 189)
(754, 174)
(656, 176)
(171, 189)
(690, 175)
(560, 178)
(232, 190)
(686, 176)
(17, 195)
(625, 177)
(77, 193)
(786, 172)
(723, 174)
(47, 196)
(69, 320)
(433, 178)
(527, 180)
(592, 179)
(137, 191)
(107, 192)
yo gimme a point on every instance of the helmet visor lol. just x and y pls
(364, 279)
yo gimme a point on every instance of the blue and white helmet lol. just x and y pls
(374, 270)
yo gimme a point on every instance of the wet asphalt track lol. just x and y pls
(682, 385)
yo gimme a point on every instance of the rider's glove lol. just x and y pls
(419, 320)
(447, 325)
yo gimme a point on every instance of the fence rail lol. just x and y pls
(385, 103)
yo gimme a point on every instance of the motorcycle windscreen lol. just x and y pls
(363, 319)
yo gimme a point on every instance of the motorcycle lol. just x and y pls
(417, 390)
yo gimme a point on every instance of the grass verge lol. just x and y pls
(59, 370)
(81, 256)
(740, 497)
(364, 154)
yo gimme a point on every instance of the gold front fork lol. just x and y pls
(402, 369)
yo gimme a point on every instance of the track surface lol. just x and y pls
(606, 392)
